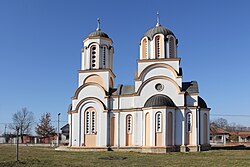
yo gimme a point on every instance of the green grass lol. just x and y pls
(46, 157)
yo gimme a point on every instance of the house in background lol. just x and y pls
(65, 135)
(219, 136)
(244, 136)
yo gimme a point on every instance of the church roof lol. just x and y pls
(190, 87)
(157, 30)
(201, 103)
(124, 90)
(159, 100)
(98, 33)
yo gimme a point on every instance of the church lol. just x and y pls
(158, 113)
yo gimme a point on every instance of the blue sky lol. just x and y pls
(41, 41)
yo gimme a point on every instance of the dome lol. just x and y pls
(201, 102)
(158, 30)
(98, 34)
(159, 100)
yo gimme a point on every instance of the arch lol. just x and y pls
(158, 47)
(89, 99)
(94, 79)
(143, 73)
(144, 48)
(147, 129)
(90, 127)
(157, 77)
(85, 85)
(129, 129)
(170, 128)
(158, 129)
(205, 129)
(172, 47)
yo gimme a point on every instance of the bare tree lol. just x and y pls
(220, 123)
(45, 128)
(22, 119)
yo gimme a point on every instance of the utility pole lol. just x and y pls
(17, 142)
(5, 129)
(58, 128)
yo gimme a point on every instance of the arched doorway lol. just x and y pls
(90, 127)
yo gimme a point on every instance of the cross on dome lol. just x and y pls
(158, 20)
(98, 24)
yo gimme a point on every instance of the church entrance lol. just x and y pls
(90, 128)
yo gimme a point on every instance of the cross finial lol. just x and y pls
(158, 20)
(98, 24)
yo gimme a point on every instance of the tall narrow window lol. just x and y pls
(87, 119)
(144, 49)
(104, 56)
(129, 124)
(189, 122)
(90, 121)
(93, 121)
(157, 47)
(171, 48)
(158, 122)
(93, 57)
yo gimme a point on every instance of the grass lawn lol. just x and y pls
(46, 157)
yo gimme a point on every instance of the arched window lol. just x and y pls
(171, 47)
(144, 49)
(189, 122)
(205, 128)
(158, 122)
(90, 121)
(93, 53)
(129, 124)
(104, 56)
(157, 47)
(87, 122)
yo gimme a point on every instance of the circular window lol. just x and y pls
(94, 48)
(159, 87)
(93, 52)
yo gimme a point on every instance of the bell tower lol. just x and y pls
(97, 60)
(158, 56)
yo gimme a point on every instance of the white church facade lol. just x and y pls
(159, 113)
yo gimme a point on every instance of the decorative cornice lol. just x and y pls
(87, 99)
(158, 60)
(98, 70)
(109, 39)
(157, 65)
(78, 90)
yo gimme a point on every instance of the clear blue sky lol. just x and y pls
(41, 41)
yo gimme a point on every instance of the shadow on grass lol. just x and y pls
(239, 147)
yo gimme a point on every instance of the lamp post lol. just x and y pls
(17, 142)
(58, 126)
